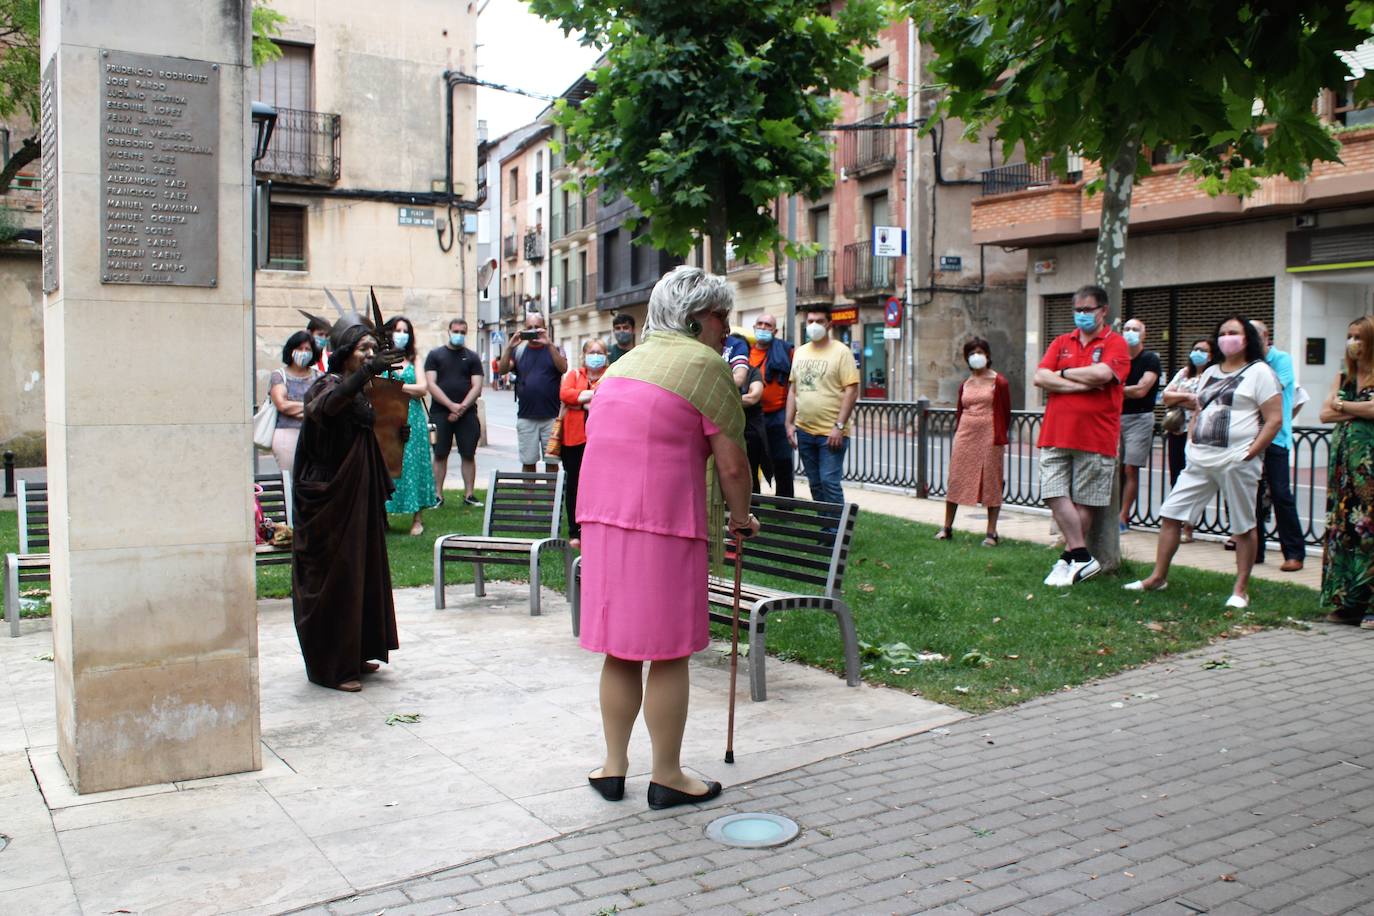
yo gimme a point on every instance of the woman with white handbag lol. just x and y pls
(286, 388)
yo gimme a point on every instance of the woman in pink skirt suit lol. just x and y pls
(662, 410)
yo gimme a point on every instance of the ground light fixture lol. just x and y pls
(752, 830)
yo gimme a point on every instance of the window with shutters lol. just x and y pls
(286, 82)
(286, 238)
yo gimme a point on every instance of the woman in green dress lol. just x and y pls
(1348, 554)
(415, 487)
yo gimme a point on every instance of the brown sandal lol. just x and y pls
(349, 686)
(369, 667)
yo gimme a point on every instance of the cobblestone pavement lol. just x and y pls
(1234, 780)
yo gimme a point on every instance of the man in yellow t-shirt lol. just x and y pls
(825, 387)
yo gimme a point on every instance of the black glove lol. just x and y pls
(385, 361)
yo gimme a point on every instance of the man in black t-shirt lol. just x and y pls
(453, 374)
(1137, 414)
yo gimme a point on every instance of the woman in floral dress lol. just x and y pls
(415, 487)
(1348, 553)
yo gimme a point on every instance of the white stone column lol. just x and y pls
(148, 399)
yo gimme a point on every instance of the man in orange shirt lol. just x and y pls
(772, 356)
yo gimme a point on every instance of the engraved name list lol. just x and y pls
(159, 160)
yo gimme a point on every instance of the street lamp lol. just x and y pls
(264, 122)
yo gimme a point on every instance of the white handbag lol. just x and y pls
(265, 424)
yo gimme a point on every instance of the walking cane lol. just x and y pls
(734, 650)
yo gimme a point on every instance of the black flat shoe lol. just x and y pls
(661, 796)
(612, 788)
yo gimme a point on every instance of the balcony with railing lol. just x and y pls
(510, 307)
(866, 276)
(871, 147)
(509, 249)
(534, 244)
(305, 147)
(815, 281)
(1024, 205)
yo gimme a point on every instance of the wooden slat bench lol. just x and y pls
(523, 513)
(32, 563)
(801, 544)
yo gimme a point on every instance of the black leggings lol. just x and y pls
(1178, 445)
(571, 456)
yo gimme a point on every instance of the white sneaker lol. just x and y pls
(1059, 575)
(1082, 569)
(1139, 586)
(1238, 602)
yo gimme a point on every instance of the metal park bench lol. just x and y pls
(802, 545)
(32, 563)
(521, 522)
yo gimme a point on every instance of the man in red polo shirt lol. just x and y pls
(1082, 372)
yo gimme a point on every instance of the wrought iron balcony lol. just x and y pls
(870, 149)
(815, 280)
(510, 307)
(867, 276)
(305, 147)
(534, 244)
(508, 247)
(1018, 176)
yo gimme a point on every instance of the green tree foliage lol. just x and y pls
(704, 113)
(267, 24)
(1230, 85)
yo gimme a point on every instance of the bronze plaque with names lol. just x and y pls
(159, 164)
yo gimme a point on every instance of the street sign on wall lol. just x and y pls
(892, 312)
(889, 241)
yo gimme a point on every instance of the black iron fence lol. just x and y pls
(814, 277)
(867, 275)
(1017, 176)
(909, 445)
(305, 146)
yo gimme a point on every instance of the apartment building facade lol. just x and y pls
(372, 164)
(1298, 255)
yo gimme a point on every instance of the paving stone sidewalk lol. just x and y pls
(1234, 780)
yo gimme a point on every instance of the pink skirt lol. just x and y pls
(643, 594)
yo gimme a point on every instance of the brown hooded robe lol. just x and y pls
(340, 577)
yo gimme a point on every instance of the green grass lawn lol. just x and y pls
(1003, 635)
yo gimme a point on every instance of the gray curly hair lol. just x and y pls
(682, 296)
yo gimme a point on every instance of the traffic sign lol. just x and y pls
(893, 312)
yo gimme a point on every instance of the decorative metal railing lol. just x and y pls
(909, 445)
(305, 147)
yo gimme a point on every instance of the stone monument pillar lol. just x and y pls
(146, 189)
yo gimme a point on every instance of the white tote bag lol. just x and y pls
(265, 424)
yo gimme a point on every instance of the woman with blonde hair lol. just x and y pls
(576, 391)
(1348, 551)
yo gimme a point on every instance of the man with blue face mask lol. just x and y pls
(772, 356)
(1137, 414)
(453, 374)
(1082, 374)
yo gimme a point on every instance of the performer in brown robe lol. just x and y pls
(341, 581)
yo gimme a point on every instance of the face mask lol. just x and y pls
(595, 360)
(1199, 358)
(1353, 347)
(1085, 321)
(764, 338)
(977, 361)
(457, 339)
(1132, 338)
(624, 338)
(322, 342)
(302, 358)
(815, 331)
(400, 338)
(1231, 344)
